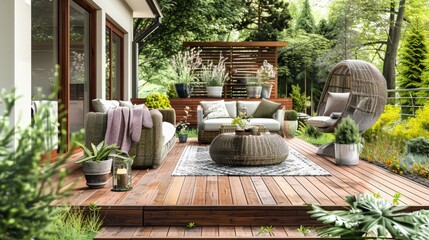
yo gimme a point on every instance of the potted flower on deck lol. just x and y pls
(97, 163)
(347, 141)
(182, 128)
(214, 76)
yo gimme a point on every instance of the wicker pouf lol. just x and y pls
(248, 150)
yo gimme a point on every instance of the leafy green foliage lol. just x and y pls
(191, 225)
(419, 145)
(305, 20)
(184, 64)
(299, 100)
(214, 75)
(291, 115)
(26, 175)
(97, 153)
(347, 132)
(411, 66)
(370, 217)
(304, 230)
(76, 224)
(265, 230)
(157, 101)
(308, 131)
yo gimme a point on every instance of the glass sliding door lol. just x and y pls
(114, 62)
(79, 66)
(44, 57)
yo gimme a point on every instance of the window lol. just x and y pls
(114, 62)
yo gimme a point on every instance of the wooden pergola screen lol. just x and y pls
(243, 59)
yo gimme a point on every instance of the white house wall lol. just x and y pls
(122, 16)
(15, 56)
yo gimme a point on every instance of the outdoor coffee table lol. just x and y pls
(248, 150)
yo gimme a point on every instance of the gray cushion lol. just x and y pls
(269, 123)
(103, 106)
(266, 109)
(231, 107)
(214, 124)
(321, 121)
(214, 109)
(335, 102)
(250, 105)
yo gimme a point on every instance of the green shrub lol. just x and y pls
(385, 123)
(419, 145)
(26, 185)
(414, 126)
(299, 101)
(157, 101)
(308, 131)
(347, 132)
(291, 115)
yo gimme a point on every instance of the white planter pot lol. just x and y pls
(214, 91)
(266, 90)
(290, 127)
(254, 91)
(346, 154)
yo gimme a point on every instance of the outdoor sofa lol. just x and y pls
(211, 115)
(155, 142)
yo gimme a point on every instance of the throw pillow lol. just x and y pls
(214, 109)
(335, 102)
(101, 105)
(125, 104)
(266, 109)
(335, 115)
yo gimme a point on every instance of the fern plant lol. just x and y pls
(347, 132)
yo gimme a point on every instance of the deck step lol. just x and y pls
(205, 232)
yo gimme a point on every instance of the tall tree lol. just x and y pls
(412, 63)
(305, 20)
(264, 19)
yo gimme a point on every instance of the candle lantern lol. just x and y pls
(122, 173)
(243, 112)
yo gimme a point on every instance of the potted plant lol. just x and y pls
(182, 128)
(265, 75)
(347, 141)
(290, 123)
(183, 66)
(97, 163)
(214, 76)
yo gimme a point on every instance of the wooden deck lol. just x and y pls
(222, 204)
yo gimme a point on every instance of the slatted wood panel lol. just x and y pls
(244, 59)
(179, 103)
(159, 199)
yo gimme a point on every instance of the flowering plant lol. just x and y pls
(184, 64)
(214, 75)
(182, 127)
(266, 72)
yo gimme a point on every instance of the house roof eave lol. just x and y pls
(144, 8)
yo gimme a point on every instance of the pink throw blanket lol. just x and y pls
(124, 125)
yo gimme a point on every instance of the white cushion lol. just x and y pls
(168, 131)
(214, 124)
(125, 104)
(335, 102)
(321, 121)
(231, 107)
(214, 109)
(250, 105)
(101, 105)
(269, 123)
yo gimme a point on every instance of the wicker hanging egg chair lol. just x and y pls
(355, 89)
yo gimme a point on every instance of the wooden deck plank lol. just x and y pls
(250, 191)
(263, 191)
(174, 191)
(238, 195)
(276, 192)
(306, 196)
(186, 195)
(241, 231)
(212, 191)
(210, 231)
(175, 231)
(225, 196)
(287, 189)
(200, 190)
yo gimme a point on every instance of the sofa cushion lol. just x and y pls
(214, 124)
(271, 124)
(214, 109)
(250, 105)
(335, 102)
(231, 107)
(101, 105)
(322, 121)
(125, 104)
(266, 109)
(168, 131)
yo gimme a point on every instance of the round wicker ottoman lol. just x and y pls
(248, 150)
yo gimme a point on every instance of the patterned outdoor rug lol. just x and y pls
(196, 161)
